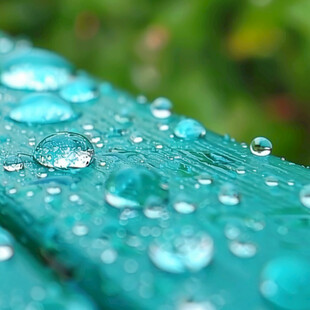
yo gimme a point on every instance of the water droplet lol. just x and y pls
(108, 256)
(80, 230)
(185, 252)
(304, 196)
(242, 249)
(155, 209)
(6, 44)
(6, 245)
(285, 282)
(161, 107)
(53, 190)
(229, 196)
(261, 146)
(192, 305)
(36, 69)
(64, 150)
(82, 89)
(136, 137)
(42, 109)
(271, 181)
(13, 163)
(184, 207)
(189, 129)
(134, 187)
(204, 179)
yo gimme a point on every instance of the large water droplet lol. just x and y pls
(304, 196)
(161, 107)
(189, 129)
(261, 146)
(134, 187)
(185, 252)
(82, 89)
(228, 195)
(285, 282)
(13, 163)
(64, 150)
(36, 69)
(6, 245)
(42, 109)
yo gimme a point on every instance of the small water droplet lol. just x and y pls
(285, 282)
(134, 187)
(136, 137)
(6, 245)
(189, 129)
(108, 256)
(185, 252)
(64, 150)
(82, 89)
(53, 190)
(161, 107)
(184, 207)
(242, 249)
(271, 181)
(205, 179)
(261, 146)
(42, 109)
(228, 195)
(80, 230)
(304, 196)
(13, 163)
(36, 69)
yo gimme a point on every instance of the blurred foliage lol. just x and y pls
(240, 67)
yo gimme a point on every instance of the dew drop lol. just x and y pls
(42, 109)
(53, 190)
(82, 89)
(228, 195)
(185, 252)
(64, 150)
(36, 69)
(285, 282)
(261, 146)
(271, 181)
(242, 249)
(134, 187)
(6, 245)
(13, 163)
(189, 129)
(204, 179)
(184, 207)
(161, 107)
(304, 196)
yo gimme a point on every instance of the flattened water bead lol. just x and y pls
(285, 282)
(64, 150)
(304, 196)
(42, 109)
(6, 245)
(161, 107)
(189, 129)
(13, 163)
(36, 69)
(82, 89)
(261, 146)
(180, 253)
(134, 187)
(229, 195)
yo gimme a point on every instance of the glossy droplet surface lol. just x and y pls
(134, 187)
(243, 249)
(304, 196)
(6, 245)
(184, 207)
(82, 89)
(42, 109)
(285, 282)
(36, 69)
(13, 163)
(64, 150)
(189, 129)
(185, 252)
(261, 146)
(229, 195)
(161, 108)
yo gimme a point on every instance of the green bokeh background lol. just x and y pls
(240, 67)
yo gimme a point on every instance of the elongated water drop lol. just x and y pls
(42, 109)
(285, 282)
(134, 187)
(13, 163)
(180, 253)
(261, 146)
(6, 245)
(64, 150)
(189, 129)
(161, 107)
(82, 89)
(304, 196)
(36, 69)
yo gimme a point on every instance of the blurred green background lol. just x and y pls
(239, 66)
